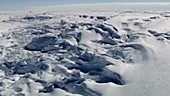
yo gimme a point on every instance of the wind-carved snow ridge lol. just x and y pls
(84, 54)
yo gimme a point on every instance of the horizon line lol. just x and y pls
(118, 3)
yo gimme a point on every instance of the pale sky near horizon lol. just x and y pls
(22, 4)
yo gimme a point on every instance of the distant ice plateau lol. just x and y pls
(120, 6)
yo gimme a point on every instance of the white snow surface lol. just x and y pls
(138, 49)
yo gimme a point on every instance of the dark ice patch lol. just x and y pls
(154, 33)
(39, 44)
(102, 18)
(88, 62)
(111, 32)
(76, 89)
(116, 53)
(107, 41)
(47, 89)
(37, 17)
(106, 76)
(32, 65)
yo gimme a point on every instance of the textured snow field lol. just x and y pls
(98, 53)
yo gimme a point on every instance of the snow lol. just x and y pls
(122, 53)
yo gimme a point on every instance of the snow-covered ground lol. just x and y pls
(91, 53)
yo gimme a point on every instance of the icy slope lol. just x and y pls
(123, 53)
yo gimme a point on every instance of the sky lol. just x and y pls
(22, 4)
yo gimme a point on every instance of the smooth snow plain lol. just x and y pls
(90, 53)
